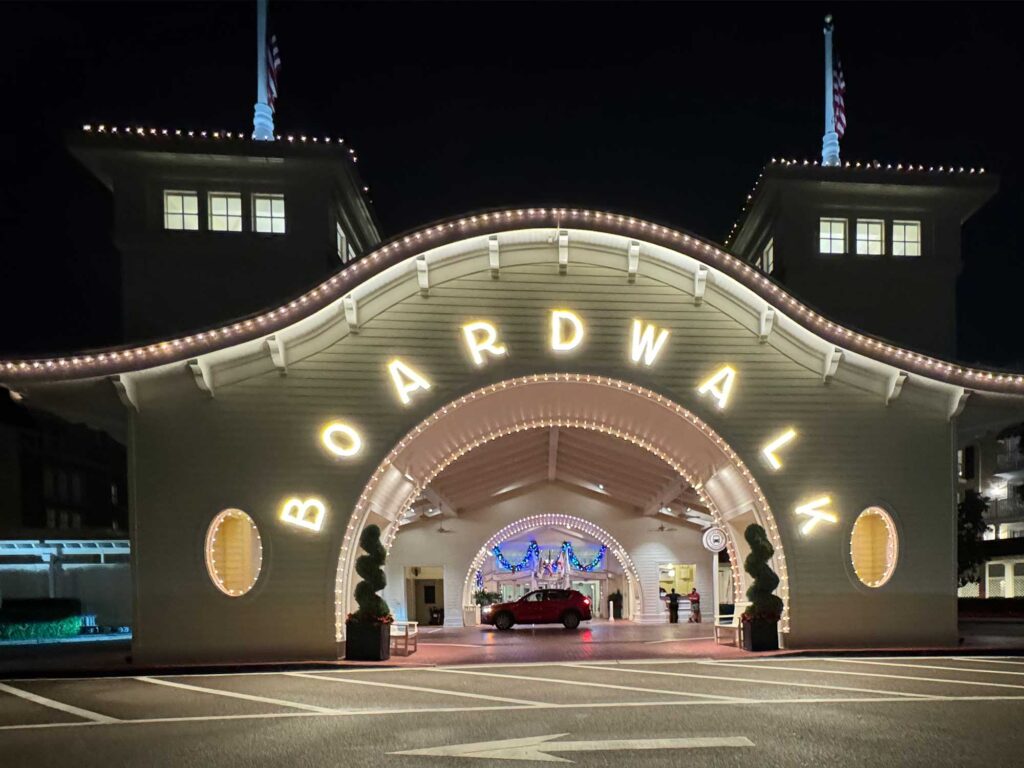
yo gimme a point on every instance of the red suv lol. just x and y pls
(545, 606)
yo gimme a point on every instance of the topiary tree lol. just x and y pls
(970, 531)
(763, 603)
(371, 605)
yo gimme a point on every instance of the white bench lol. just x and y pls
(732, 627)
(404, 636)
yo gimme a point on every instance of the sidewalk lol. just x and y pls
(440, 646)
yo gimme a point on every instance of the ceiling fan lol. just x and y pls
(662, 528)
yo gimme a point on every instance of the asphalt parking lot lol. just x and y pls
(932, 711)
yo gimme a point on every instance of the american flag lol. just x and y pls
(273, 67)
(839, 96)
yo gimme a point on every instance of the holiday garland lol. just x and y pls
(532, 552)
(575, 561)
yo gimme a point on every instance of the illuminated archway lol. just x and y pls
(534, 522)
(633, 413)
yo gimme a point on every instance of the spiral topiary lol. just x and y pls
(763, 604)
(372, 607)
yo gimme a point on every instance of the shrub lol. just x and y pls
(372, 607)
(41, 630)
(764, 605)
(481, 597)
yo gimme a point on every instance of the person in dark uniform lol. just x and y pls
(673, 607)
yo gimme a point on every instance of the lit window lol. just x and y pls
(225, 212)
(768, 257)
(181, 210)
(870, 237)
(906, 238)
(268, 213)
(874, 546)
(234, 552)
(345, 251)
(832, 236)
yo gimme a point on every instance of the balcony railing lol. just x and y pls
(1009, 460)
(1002, 510)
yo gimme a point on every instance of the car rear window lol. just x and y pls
(558, 594)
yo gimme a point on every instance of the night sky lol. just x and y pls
(665, 112)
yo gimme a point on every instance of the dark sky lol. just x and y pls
(662, 111)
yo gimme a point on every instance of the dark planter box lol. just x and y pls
(367, 642)
(760, 635)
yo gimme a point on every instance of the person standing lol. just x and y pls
(673, 607)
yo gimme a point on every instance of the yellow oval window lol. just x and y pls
(874, 546)
(234, 552)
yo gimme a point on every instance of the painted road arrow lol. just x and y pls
(540, 747)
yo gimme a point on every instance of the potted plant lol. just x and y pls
(368, 630)
(616, 598)
(761, 618)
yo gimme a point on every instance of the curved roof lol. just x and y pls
(125, 359)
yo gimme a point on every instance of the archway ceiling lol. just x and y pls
(590, 462)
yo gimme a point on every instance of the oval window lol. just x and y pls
(234, 552)
(874, 546)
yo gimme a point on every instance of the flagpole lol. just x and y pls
(263, 115)
(830, 141)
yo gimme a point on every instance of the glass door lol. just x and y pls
(591, 589)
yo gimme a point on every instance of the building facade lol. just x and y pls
(512, 393)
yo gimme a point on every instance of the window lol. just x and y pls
(870, 237)
(768, 257)
(225, 212)
(343, 248)
(832, 236)
(234, 552)
(906, 238)
(1018, 579)
(181, 210)
(268, 213)
(874, 547)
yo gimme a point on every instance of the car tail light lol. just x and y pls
(586, 601)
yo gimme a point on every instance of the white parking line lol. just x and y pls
(420, 689)
(594, 685)
(752, 680)
(869, 674)
(575, 706)
(95, 717)
(678, 640)
(930, 666)
(236, 695)
(991, 660)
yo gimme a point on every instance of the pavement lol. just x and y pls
(438, 646)
(933, 711)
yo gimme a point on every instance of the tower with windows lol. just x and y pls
(213, 224)
(875, 247)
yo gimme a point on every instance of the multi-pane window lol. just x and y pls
(181, 210)
(343, 246)
(870, 237)
(768, 257)
(906, 238)
(268, 214)
(832, 236)
(225, 212)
